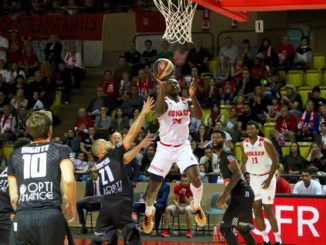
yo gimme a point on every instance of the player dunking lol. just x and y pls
(174, 118)
(37, 173)
(259, 158)
(238, 213)
(116, 205)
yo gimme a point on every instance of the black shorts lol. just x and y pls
(5, 227)
(239, 211)
(38, 227)
(115, 213)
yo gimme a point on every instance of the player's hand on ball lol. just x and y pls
(192, 88)
(148, 105)
(160, 82)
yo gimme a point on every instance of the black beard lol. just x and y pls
(218, 146)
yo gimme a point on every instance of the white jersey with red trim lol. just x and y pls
(258, 161)
(174, 123)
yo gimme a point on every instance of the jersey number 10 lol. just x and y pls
(34, 165)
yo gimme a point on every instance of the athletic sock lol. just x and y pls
(149, 210)
(264, 235)
(277, 237)
(197, 194)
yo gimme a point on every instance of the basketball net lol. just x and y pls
(178, 19)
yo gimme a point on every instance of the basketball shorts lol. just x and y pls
(165, 156)
(239, 210)
(266, 195)
(5, 227)
(45, 226)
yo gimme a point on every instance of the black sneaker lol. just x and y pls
(83, 230)
(267, 243)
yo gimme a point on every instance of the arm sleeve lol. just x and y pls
(66, 153)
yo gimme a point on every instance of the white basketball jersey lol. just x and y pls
(258, 160)
(174, 123)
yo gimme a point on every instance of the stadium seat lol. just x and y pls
(267, 127)
(213, 209)
(295, 77)
(319, 62)
(304, 93)
(212, 65)
(324, 78)
(238, 153)
(6, 151)
(57, 102)
(225, 110)
(286, 148)
(323, 93)
(282, 74)
(304, 148)
(207, 74)
(206, 112)
(312, 78)
(149, 116)
(206, 82)
(113, 114)
(282, 90)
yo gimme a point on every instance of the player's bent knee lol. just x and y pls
(245, 227)
(156, 178)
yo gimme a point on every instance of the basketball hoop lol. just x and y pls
(178, 19)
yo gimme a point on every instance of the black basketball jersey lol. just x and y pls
(36, 167)
(5, 205)
(226, 159)
(113, 173)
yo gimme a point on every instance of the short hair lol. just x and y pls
(254, 124)
(38, 124)
(21, 142)
(148, 41)
(308, 170)
(97, 145)
(221, 132)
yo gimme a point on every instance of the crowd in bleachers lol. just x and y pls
(281, 88)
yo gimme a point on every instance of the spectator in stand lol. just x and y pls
(293, 100)
(19, 122)
(210, 160)
(200, 92)
(87, 139)
(95, 104)
(133, 59)
(120, 122)
(247, 53)
(247, 116)
(103, 120)
(6, 122)
(213, 94)
(182, 196)
(315, 97)
(237, 69)
(222, 71)
(15, 47)
(19, 100)
(165, 52)
(286, 124)
(294, 163)
(153, 125)
(274, 85)
(29, 61)
(231, 125)
(149, 55)
(110, 88)
(282, 186)
(123, 67)
(259, 104)
(274, 110)
(136, 113)
(125, 85)
(258, 71)
(286, 53)
(63, 82)
(228, 91)
(303, 56)
(81, 166)
(321, 139)
(53, 51)
(20, 83)
(14, 72)
(144, 84)
(316, 159)
(229, 50)
(135, 100)
(308, 123)
(4, 45)
(202, 173)
(94, 187)
(198, 57)
(228, 139)
(180, 55)
(4, 100)
(245, 87)
(70, 139)
(322, 114)
(215, 114)
(71, 8)
(35, 103)
(147, 158)
(73, 62)
(83, 122)
(307, 186)
(239, 104)
(267, 53)
(4, 71)
(201, 136)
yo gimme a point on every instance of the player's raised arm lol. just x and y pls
(196, 110)
(273, 156)
(137, 124)
(244, 160)
(160, 106)
(130, 155)
(68, 187)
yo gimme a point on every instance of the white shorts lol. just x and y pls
(165, 156)
(266, 195)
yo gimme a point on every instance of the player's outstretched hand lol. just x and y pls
(148, 105)
(147, 140)
(266, 183)
(192, 88)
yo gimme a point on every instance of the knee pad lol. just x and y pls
(156, 178)
(245, 227)
(131, 233)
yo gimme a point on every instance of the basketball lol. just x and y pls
(163, 69)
